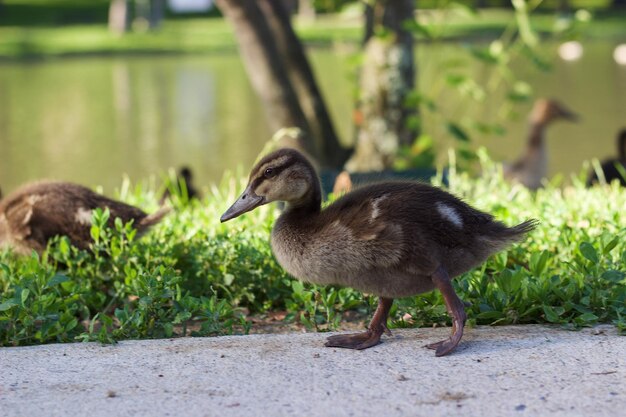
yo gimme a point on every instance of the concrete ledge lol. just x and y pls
(496, 371)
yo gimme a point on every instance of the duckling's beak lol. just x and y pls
(246, 202)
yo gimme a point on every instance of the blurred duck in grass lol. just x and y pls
(611, 169)
(180, 184)
(37, 212)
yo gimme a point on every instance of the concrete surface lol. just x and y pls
(496, 371)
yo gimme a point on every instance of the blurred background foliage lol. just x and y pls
(168, 95)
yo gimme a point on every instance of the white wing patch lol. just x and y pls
(32, 199)
(83, 216)
(375, 203)
(450, 214)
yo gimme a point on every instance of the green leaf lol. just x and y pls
(484, 55)
(538, 262)
(458, 132)
(71, 324)
(490, 315)
(466, 9)
(64, 246)
(413, 26)
(588, 317)
(56, 280)
(589, 252)
(520, 92)
(551, 314)
(106, 214)
(95, 233)
(613, 275)
(455, 79)
(145, 301)
(228, 279)
(609, 246)
(8, 305)
(168, 329)
(25, 294)
(297, 286)
(504, 280)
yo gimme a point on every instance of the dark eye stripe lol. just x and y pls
(276, 170)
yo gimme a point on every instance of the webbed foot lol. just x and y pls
(455, 308)
(371, 337)
(444, 347)
(356, 341)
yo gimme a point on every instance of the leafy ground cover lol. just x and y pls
(193, 275)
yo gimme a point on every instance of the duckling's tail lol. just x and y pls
(501, 236)
(519, 231)
(154, 218)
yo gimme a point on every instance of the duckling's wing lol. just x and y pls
(341, 247)
(360, 235)
(398, 223)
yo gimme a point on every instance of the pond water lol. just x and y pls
(93, 120)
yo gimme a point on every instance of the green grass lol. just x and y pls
(193, 35)
(192, 275)
(211, 35)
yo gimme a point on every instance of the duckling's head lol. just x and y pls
(546, 111)
(284, 175)
(186, 173)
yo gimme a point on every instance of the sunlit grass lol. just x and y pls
(209, 35)
(193, 35)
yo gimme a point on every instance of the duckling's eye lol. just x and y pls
(269, 173)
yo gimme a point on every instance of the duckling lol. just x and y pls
(36, 212)
(532, 166)
(185, 175)
(611, 167)
(390, 239)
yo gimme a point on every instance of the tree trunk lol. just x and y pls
(301, 76)
(480, 4)
(369, 16)
(119, 17)
(157, 12)
(387, 77)
(563, 6)
(306, 11)
(264, 64)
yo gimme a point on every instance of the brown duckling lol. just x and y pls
(611, 167)
(532, 166)
(391, 239)
(36, 212)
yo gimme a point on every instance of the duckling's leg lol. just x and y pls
(455, 309)
(371, 337)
